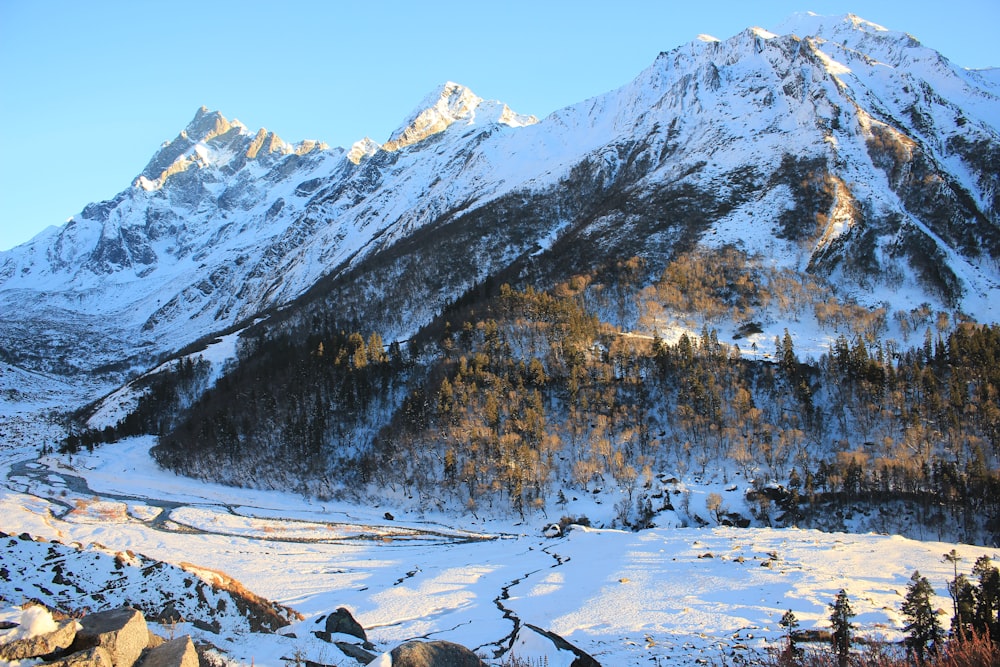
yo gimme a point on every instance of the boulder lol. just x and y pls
(433, 654)
(356, 652)
(169, 614)
(154, 640)
(95, 656)
(40, 645)
(341, 621)
(174, 653)
(122, 632)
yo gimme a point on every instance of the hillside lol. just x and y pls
(770, 259)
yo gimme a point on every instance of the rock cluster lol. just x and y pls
(115, 638)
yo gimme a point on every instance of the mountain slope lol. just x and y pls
(838, 148)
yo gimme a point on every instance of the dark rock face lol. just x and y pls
(582, 659)
(434, 654)
(342, 622)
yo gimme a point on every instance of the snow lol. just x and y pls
(627, 598)
(35, 621)
(168, 303)
(671, 593)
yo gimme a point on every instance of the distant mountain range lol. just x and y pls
(834, 147)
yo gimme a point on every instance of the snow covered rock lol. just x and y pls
(38, 635)
(53, 573)
(342, 622)
(122, 632)
(174, 653)
(430, 654)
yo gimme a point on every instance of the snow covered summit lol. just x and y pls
(833, 145)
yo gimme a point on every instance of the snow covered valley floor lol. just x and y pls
(655, 597)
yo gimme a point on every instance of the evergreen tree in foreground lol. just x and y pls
(923, 629)
(792, 652)
(986, 620)
(840, 617)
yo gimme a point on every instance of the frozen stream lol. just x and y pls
(311, 542)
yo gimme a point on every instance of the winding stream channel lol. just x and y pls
(65, 491)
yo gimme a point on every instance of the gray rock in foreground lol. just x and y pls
(434, 654)
(95, 656)
(174, 653)
(33, 647)
(122, 632)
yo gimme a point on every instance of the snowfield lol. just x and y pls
(659, 596)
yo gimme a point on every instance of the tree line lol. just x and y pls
(973, 637)
(515, 397)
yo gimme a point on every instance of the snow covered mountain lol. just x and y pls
(832, 146)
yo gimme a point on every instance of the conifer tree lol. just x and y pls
(840, 617)
(789, 622)
(987, 598)
(923, 628)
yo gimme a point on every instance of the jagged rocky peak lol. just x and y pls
(269, 142)
(207, 125)
(449, 103)
(212, 139)
(362, 149)
(175, 155)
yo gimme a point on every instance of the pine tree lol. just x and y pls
(789, 623)
(840, 617)
(987, 598)
(964, 594)
(923, 629)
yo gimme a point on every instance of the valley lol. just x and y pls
(643, 375)
(664, 595)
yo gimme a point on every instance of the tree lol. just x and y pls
(713, 503)
(964, 594)
(953, 558)
(923, 629)
(987, 598)
(840, 617)
(789, 623)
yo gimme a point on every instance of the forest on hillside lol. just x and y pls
(515, 398)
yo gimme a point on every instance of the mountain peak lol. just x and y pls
(207, 125)
(848, 29)
(448, 103)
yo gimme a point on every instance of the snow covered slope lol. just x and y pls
(836, 146)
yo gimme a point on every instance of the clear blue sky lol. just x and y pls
(89, 90)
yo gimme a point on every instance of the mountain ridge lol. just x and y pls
(224, 224)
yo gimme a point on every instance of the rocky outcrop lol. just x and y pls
(114, 638)
(122, 632)
(94, 578)
(434, 654)
(342, 622)
(174, 653)
(42, 644)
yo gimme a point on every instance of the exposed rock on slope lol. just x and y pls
(71, 579)
(837, 147)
